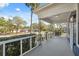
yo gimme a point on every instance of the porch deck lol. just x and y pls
(57, 46)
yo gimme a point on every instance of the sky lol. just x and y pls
(17, 9)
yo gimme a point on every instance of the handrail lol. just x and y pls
(16, 39)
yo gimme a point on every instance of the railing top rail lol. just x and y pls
(16, 39)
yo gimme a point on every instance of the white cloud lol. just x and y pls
(18, 9)
(2, 5)
(6, 17)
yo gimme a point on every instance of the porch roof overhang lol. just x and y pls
(57, 12)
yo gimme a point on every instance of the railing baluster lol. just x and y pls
(4, 49)
(30, 42)
(21, 47)
(36, 40)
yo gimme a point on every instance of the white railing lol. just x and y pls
(20, 40)
(22, 44)
(47, 35)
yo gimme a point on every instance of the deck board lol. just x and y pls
(57, 46)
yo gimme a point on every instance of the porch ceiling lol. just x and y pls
(59, 18)
(56, 13)
(54, 9)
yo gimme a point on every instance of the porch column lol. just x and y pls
(31, 21)
(39, 30)
(77, 23)
(68, 30)
(71, 32)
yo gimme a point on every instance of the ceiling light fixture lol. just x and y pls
(56, 16)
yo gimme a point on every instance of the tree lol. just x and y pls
(50, 27)
(2, 22)
(43, 26)
(10, 25)
(3, 25)
(18, 21)
(33, 6)
(34, 26)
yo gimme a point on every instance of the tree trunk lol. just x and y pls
(17, 28)
(31, 21)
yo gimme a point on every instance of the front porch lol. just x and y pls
(56, 46)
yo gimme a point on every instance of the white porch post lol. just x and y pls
(39, 30)
(21, 47)
(68, 30)
(71, 33)
(77, 21)
(30, 42)
(4, 49)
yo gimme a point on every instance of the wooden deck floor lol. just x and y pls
(57, 46)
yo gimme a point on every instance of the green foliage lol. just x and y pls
(3, 22)
(33, 5)
(42, 26)
(50, 28)
(19, 22)
(34, 26)
(8, 26)
(3, 25)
